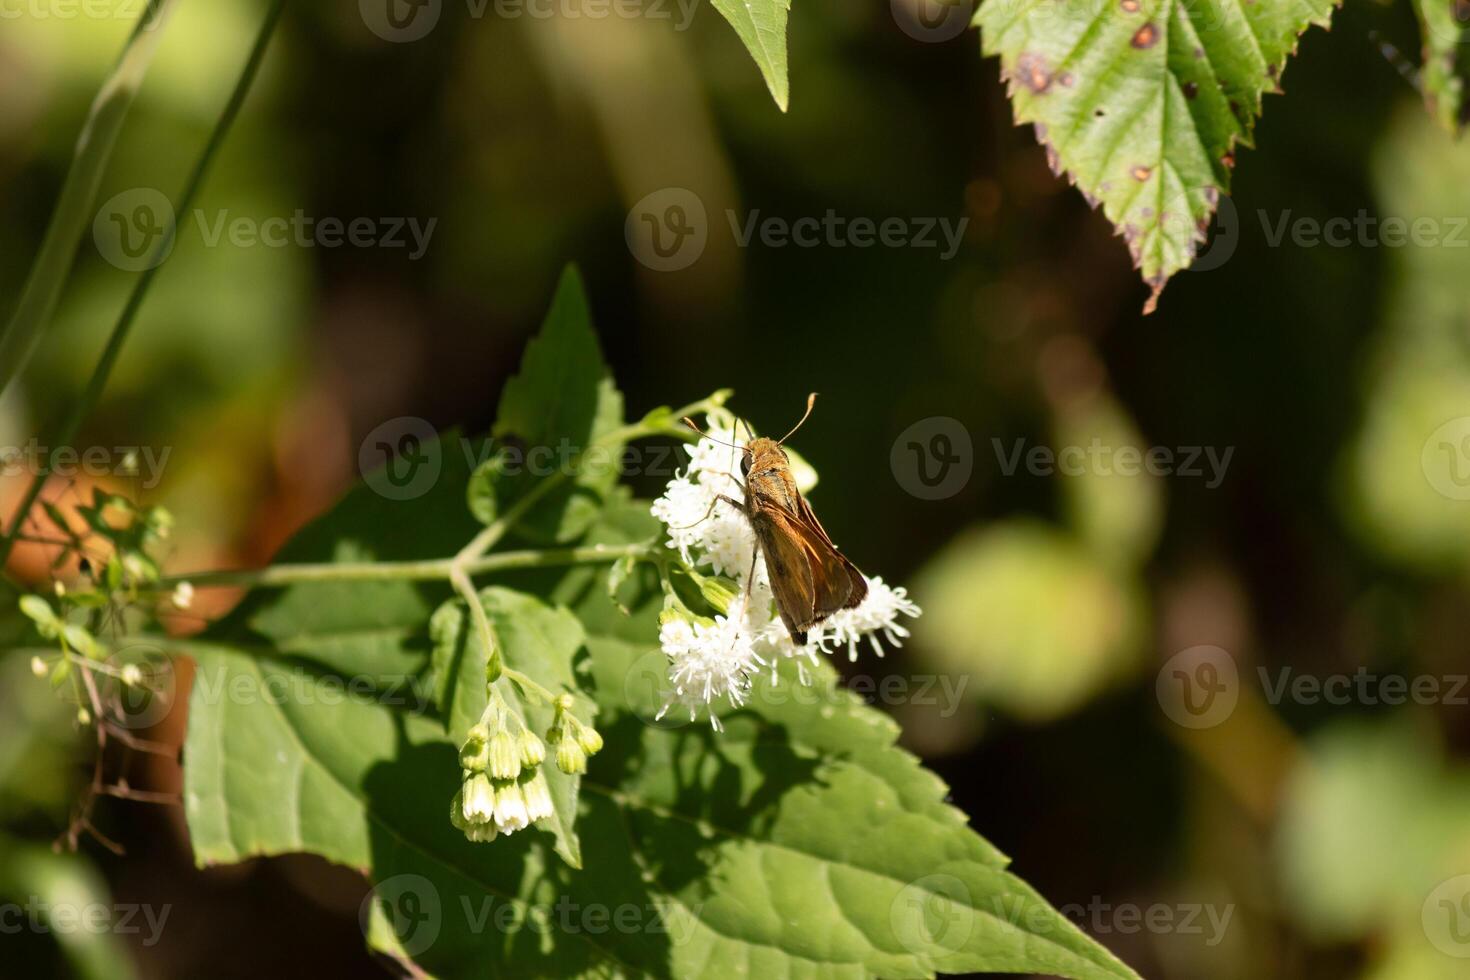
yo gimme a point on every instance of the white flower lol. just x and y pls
(510, 809)
(878, 613)
(478, 799)
(538, 797)
(708, 662)
(183, 596)
(712, 662)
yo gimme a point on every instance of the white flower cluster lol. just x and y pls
(502, 789)
(709, 662)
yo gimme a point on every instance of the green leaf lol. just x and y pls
(780, 835)
(39, 611)
(1445, 26)
(535, 639)
(774, 846)
(1142, 103)
(480, 495)
(761, 25)
(562, 403)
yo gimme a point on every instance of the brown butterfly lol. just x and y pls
(810, 578)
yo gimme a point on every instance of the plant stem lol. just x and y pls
(74, 207)
(527, 683)
(437, 569)
(84, 404)
(459, 575)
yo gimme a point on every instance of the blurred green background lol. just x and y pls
(1337, 540)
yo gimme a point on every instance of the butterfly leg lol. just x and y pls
(729, 500)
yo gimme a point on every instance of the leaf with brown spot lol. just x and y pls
(1182, 85)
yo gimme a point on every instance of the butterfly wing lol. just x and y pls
(809, 577)
(845, 586)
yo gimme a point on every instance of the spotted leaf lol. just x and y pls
(1142, 102)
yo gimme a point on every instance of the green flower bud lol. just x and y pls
(38, 667)
(533, 752)
(481, 832)
(718, 592)
(456, 811)
(588, 739)
(571, 758)
(505, 756)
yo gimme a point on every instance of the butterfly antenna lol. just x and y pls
(810, 401)
(690, 422)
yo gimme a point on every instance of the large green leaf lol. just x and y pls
(1445, 26)
(800, 840)
(761, 24)
(562, 403)
(1142, 102)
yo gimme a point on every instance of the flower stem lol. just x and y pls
(526, 683)
(437, 569)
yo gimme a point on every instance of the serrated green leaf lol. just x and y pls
(1142, 102)
(561, 403)
(771, 848)
(1445, 26)
(537, 640)
(761, 25)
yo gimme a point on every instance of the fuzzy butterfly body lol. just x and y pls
(809, 577)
